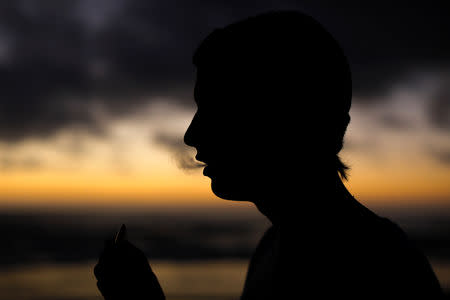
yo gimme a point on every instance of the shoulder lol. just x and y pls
(397, 257)
(382, 238)
(380, 232)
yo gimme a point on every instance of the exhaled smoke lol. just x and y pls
(183, 154)
(186, 161)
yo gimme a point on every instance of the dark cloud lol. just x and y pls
(396, 122)
(439, 108)
(21, 119)
(60, 59)
(183, 155)
(441, 155)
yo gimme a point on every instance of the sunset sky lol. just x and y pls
(97, 96)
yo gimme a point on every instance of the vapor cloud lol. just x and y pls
(183, 155)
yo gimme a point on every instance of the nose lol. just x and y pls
(190, 137)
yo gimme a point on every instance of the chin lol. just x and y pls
(227, 191)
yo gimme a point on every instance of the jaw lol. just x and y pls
(228, 191)
(248, 188)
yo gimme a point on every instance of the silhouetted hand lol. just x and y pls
(123, 273)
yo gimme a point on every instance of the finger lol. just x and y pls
(121, 235)
(108, 250)
(104, 271)
(98, 271)
(130, 250)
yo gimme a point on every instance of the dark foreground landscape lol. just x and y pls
(196, 254)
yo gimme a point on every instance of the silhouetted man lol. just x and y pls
(273, 95)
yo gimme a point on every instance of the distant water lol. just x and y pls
(180, 281)
(215, 280)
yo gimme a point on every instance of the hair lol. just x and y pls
(281, 43)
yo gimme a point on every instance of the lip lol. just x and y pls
(206, 171)
(200, 158)
(207, 168)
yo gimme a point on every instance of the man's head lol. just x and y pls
(273, 95)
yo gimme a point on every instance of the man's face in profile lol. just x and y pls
(225, 134)
(253, 137)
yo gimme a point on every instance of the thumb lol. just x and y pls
(121, 235)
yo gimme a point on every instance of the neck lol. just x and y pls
(324, 199)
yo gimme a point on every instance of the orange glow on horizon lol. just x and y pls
(102, 187)
(130, 168)
(378, 186)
